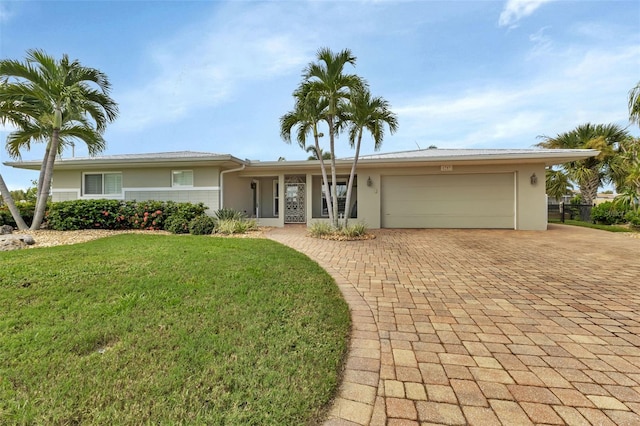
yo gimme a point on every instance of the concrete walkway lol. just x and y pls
(487, 327)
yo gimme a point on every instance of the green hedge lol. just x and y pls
(26, 211)
(116, 214)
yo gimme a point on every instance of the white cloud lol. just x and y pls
(208, 66)
(515, 10)
(542, 43)
(568, 88)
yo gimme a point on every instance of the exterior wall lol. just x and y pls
(531, 200)
(145, 184)
(237, 193)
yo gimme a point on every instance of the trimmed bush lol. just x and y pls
(202, 225)
(117, 214)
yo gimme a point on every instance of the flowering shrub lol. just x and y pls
(116, 214)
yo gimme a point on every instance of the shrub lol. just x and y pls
(355, 230)
(117, 214)
(229, 214)
(319, 229)
(177, 224)
(633, 218)
(202, 225)
(607, 213)
(26, 210)
(235, 226)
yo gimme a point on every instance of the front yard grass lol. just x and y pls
(610, 228)
(141, 329)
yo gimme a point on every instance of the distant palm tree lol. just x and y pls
(634, 104)
(327, 82)
(314, 154)
(54, 102)
(558, 183)
(591, 172)
(365, 112)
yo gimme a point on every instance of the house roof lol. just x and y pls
(391, 159)
(550, 156)
(157, 159)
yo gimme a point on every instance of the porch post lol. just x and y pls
(309, 199)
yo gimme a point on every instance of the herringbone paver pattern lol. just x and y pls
(487, 327)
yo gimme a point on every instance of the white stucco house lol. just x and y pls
(429, 188)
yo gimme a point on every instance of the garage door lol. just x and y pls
(448, 201)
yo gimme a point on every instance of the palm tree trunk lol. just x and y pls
(347, 206)
(8, 199)
(589, 189)
(334, 178)
(43, 193)
(325, 180)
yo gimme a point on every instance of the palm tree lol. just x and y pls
(634, 104)
(53, 102)
(306, 115)
(627, 172)
(592, 172)
(315, 155)
(558, 183)
(328, 83)
(365, 113)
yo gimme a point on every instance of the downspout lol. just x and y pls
(221, 206)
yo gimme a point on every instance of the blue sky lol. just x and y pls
(216, 76)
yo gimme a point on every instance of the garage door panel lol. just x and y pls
(448, 201)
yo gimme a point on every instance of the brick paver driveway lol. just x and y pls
(487, 327)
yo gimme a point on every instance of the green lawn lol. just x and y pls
(138, 329)
(610, 228)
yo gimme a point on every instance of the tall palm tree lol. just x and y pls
(8, 199)
(592, 172)
(306, 116)
(53, 102)
(329, 83)
(634, 104)
(364, 112)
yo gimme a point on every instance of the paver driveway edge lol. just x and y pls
(357, 397)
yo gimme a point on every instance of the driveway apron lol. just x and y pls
(486, 327)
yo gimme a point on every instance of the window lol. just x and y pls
(182, 178)
(276, 198)
(103, 183)
(341, 190)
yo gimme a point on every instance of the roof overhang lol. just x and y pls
(419, 158)
(136, 161)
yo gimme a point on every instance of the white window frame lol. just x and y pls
(324, 211)
(102, 194)
(174, 184)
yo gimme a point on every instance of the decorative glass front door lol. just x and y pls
(294, 202)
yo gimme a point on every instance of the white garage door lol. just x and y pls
(448, 201)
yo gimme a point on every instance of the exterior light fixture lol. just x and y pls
(534, 179)
(369, 181)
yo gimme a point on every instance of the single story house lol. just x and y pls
(427, 188)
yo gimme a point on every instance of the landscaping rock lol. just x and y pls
(7, 244)
(15, 242)
(6, 229)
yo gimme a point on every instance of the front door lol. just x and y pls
(294, 202)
